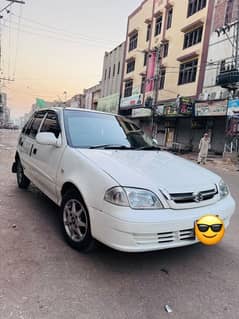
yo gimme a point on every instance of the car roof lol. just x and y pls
(61, 109)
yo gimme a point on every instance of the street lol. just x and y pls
(42, 277)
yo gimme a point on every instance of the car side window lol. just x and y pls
(33, 128)
(26, 125)
(51, 125)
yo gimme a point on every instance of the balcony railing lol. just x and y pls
(228, 79)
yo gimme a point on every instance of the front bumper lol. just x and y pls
(128, 230)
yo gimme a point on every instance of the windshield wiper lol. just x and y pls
(148, 148)
(111, 147)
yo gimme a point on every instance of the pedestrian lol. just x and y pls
(203, 149)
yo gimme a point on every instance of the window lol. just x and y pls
(145, 57)
(130, 66)
(33, 128)
(114, 70)
(27, 124)
(105, 74)
(128, 89)
(188, 72)
(195, 6)
(148, 32)
(109, 72)
(158, 25)
(50, 125)
(193, 37)
(133, 41)
(169, 18)
(165, 49)
(118, 68)
(162, 74)
(143, 84)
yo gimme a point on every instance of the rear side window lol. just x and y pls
(33, 127)
(51, 125)
(25, 126)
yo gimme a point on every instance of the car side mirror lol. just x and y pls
(47, 138)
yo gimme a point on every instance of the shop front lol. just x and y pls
(211, 117)
(174, 124)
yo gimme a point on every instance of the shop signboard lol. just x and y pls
(149, 85)
(211, 108)
(170, 110)
(160, 110)
(142, 112)
(185, 106)
(131, 101)
(109, 103)
(233, 107)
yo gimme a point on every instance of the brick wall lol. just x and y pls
(225, 11)
(219, 14)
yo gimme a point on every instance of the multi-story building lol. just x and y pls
(222, 73)
(179, 31)
(92, 96)
(111, 80)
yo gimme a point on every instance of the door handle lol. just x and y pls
(34, 151)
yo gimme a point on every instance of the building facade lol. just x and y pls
(165, 62)
(111, 80)
(221, 81)
(77, 101)
(92, 96)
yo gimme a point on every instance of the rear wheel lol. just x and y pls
(75, 222)
(22, 181)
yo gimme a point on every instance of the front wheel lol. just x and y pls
(75, 222)
(22, 181)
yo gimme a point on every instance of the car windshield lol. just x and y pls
(98, 130)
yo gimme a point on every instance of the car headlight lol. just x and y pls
(133, 197)
(223, 189)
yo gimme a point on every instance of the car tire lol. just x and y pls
(75, 222)
(22, 181)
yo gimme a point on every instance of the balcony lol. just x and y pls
(228, 79)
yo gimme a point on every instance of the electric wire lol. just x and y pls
(58, 38)
(62, 31)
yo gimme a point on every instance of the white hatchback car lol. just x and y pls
(113, 184)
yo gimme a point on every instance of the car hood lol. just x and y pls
(152, 169)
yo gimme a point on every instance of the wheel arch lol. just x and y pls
(69, 186)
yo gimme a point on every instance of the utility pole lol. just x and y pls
(157, 77)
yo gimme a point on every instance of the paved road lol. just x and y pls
(41, 277)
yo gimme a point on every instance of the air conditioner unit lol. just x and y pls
(203, 96)
(224, 95)
(213, 96)
(217, 95)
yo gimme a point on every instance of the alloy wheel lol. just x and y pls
(75, 220)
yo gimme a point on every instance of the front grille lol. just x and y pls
(165, 238)
(184, 198)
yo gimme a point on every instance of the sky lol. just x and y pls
(57, 46)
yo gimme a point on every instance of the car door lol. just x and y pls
(47, 157)
(26, 143)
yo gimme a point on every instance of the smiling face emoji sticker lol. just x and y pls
(209, 230)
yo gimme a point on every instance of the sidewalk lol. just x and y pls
(215, 161)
